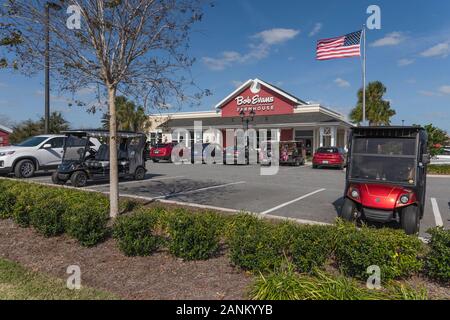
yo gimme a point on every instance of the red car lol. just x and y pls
(329, 157)
(161, 151)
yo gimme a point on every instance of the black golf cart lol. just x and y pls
(386, 176)
(81, 162)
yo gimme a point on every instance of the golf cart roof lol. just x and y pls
(103, 133)
(387, 131)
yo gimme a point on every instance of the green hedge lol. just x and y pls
(7, 201)
(86, 217)
(136, 234)
(313, 245)
(53, 211)
(437, 260)
(439, 169)
(396, 253)
(194, 236)
(46, 215)
(255, 244)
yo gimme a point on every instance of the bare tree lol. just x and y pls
(138, 48)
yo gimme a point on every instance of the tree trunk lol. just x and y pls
(113, 171)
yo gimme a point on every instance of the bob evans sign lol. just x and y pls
(263, 102)
(256, 103)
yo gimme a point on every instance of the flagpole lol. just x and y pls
(364, 77)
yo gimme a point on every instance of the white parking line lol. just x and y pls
(134, 181)
(199, 190)
(437, 213)
(292, 201)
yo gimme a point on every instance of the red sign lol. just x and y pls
(262, 100)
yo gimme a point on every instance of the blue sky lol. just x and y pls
(275, 41)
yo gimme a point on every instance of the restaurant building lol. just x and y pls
(263, 106)
(4, 135)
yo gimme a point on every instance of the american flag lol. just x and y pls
(340, 47)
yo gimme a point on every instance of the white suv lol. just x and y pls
(42, 152)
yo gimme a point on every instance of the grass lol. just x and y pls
(439, 169)
(18, 283)
(288, 285)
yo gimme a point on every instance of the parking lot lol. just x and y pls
(298, 192)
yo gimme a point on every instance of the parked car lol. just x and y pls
(81, 163)
(197, 157)
(162, 151)
(329, 157)
(239, 156)
(43, 152)
(443, 158)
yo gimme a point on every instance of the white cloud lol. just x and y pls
(441, 49)
(439, 92)
(444, 89)
(236, 83)
(405, 62)
(316, 29)
(225, 60)
(277, 35)
(342, 83)
(257, 51)
(391, 39)
(429, 93)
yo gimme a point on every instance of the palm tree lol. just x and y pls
(129, 116)
(378, 111)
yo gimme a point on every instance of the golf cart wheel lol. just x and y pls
(56, 179)
(79, 179)
(297, 163)
(139, 174)
(155, 160)
(409, 219)
(24, 169)
(348, 210)
(314, 166)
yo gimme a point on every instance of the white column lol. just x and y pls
(321, 129)
(345, 138)
(333, 136)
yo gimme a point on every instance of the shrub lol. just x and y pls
(135, 234)
(194, 236)
(285, 284)
(86, 217)
(255, 244)
(7, 201)
(312, 246)
(28, 196)
(437, 260)
(392, 250)
(45, 215)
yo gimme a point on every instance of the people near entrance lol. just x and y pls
(284, 153)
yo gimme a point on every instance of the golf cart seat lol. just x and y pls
(101, 158)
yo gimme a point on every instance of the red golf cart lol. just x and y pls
(386, 176)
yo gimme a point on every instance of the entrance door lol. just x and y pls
(305, 136)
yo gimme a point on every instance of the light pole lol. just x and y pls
(247, 119)
(48, 6)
